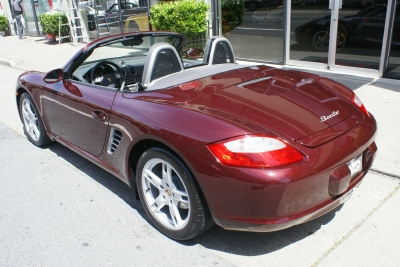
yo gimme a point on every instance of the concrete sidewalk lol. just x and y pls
(365, 232)
(34, 53)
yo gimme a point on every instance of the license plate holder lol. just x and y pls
(355, 165)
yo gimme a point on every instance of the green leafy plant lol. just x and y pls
(184, 16)
(3, 23)
(50, 22)
(233, 12)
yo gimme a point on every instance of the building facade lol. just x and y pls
(360, 37)
(351, 36)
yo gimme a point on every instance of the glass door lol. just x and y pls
(254, 28)
(309, 31)
(393, 69)
(337, 34)
(361, 26)
(29, 16)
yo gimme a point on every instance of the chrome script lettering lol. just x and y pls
(334, 113)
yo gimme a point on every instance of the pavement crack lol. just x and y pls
(392, 175)
(346, 236)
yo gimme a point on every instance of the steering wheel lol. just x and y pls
(108, 79)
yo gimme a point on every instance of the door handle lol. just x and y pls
(99, 115)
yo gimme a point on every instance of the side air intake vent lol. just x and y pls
(114, 140)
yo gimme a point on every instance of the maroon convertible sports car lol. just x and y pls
(201, 139)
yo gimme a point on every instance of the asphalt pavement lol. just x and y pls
(58, 209)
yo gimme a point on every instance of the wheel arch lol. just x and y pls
(140, 147)
(347, 28)
(18, 94)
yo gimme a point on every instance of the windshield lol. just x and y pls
(122, 59)
(135, 47)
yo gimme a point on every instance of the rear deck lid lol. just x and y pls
(284, 101)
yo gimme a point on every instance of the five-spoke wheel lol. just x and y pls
(33, 125)
(30, 119)
(170, 196)
(165, 194)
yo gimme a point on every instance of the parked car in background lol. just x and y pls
(126, 10)
(136, 23)
(366, 3)
(273, 18)
(91, 12)
(366, 27)
(255, 4)
(114, 13)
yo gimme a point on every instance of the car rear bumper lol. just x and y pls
(271, 226)
(266, 200)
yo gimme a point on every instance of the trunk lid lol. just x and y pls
(287, 102)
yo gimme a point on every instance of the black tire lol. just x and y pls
(33, 124)
(171, 198)
(320, 40)
(253, 6)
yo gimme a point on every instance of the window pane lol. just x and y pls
(360, 33)
(309, 28)
(256, 31)
(394, 60)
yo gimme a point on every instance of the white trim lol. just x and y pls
(356, 71)
(333, 28)
(387, 38)
(286, 38)
(307, 64)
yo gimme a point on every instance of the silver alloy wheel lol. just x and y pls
(321, 40)
(30, 119)
(165, 194)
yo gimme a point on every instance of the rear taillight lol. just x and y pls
(255, 151)
(357, 101)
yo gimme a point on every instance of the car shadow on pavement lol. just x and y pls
(99, 175)
(254, 244)
(216, 238)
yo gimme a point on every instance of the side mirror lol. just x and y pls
(53, 76)
(193, 53)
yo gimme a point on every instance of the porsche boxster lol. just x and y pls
(200, 139)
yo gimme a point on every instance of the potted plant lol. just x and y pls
(184, 16)
(51, 22)
(3, 25)
(232, 14)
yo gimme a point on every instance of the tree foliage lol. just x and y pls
(233, 12)
(184, 16)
